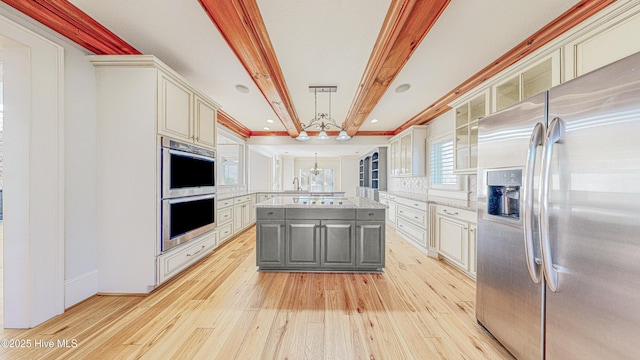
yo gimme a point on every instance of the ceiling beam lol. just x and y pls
(230, 123)
(572, 17)
(241, 25)
(406, 24)
(73, 23)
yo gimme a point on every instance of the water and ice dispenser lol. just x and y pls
(504, 193)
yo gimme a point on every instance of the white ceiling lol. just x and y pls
(325, 42)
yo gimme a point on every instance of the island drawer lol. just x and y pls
(370, 214)
(270, 214)
(321, 214)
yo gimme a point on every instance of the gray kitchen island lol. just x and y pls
(303, 233)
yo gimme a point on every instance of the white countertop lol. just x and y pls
(320, 202)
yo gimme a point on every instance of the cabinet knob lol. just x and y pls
(270, 213)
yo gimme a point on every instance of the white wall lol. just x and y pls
(53, 245)
(260, 171)
(349, 175)
(288, 172)
(81, 274)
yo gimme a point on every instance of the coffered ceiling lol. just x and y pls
(276, 49)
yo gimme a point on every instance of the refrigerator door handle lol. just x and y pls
(537, 139)
(555, 135)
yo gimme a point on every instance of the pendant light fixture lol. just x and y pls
(322, 121)
(315, 170)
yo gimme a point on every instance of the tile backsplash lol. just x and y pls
(416, 185)
(231, 189)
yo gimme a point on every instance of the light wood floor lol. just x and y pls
(420, 308)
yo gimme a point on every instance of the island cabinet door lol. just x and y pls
(370, 244)
(302, 243)
(270, 243)
(338, 243)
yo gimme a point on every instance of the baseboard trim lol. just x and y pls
(80, 288)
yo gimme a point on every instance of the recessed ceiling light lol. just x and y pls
(266, 128)
(402, 88)
(270, 121)
(242, 89)
(373, 121)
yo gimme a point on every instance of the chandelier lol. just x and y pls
(316, 170)
(322, 121)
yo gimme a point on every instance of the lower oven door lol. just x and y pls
(185, 218)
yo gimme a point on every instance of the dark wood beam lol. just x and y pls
(572, 17)
(406, 24)
(241, 25)
(73, 23)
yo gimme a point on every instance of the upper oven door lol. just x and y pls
(187, 174)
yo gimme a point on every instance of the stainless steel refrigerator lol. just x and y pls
(558, 247)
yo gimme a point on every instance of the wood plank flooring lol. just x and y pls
(419, 308)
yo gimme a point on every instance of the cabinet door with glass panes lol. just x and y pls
(466, 132)
(537, 77)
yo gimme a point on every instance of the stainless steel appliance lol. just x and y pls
(188, 192)
(187, 169)
(185, 218)
(558, 272)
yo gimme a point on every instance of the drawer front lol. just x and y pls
(242, 199)
(225, 215)
(224, 203)
(412, 204)
(224, 232)
(270, 214)
(370, 214)
(412, 232)
(416, 216)
(172, 262)
(324, 214)
(465, 215)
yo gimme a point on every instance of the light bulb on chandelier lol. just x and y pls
(322, 121)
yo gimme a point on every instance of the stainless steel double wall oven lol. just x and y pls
(188, 192)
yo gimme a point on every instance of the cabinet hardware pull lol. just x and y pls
(415, 217)
(195, 253)
(448, 213)
(270, 213)
(371, 214)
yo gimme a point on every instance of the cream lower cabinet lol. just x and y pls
(242, 212)
(171, 263)
(412, 221)
(455, 232)
(234, 215)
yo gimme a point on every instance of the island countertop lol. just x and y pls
(320, 202)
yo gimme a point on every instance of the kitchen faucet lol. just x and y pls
(294, 182)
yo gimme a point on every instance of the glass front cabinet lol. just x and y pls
(465, 138)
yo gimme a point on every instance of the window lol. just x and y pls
(441, 159)
(322, 182)
(230, 164)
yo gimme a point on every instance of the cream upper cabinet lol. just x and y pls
(604, 42)
(465, 137)
(408, 151)
(205, 122)
(534, 78)
(174, 108)
(183, 114)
